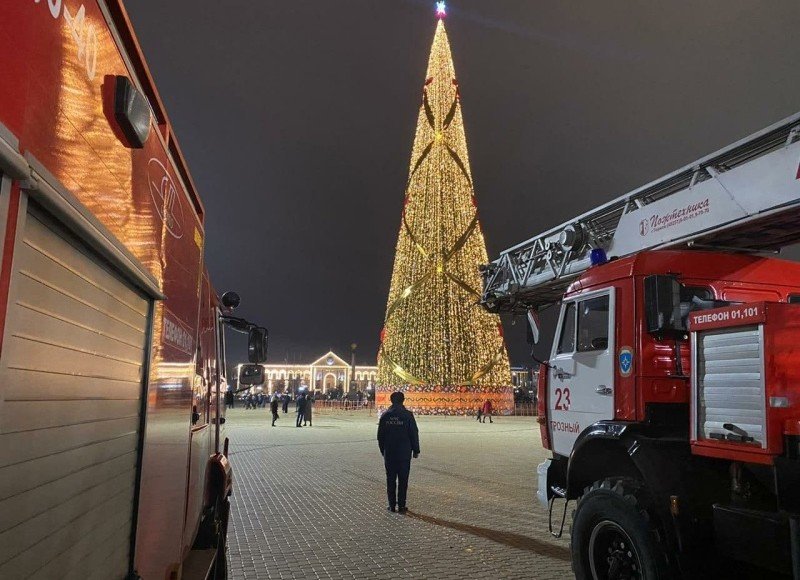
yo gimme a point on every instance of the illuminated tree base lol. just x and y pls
(434, 400)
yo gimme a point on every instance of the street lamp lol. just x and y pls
(353, 348)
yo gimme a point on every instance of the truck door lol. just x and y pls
(220, 384)
(581, 375)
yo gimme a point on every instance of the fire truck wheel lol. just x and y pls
(613, 536)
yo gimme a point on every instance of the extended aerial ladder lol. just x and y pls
(745, 197)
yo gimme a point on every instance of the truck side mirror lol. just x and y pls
(231, 300)
(257, 345)
(662, 305)
(250, 375)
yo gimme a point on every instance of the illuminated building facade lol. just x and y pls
(328, 372)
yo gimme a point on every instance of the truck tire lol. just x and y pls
(613, 537)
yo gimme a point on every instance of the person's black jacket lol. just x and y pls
(301, 404)
(398, 435)
(273, 405)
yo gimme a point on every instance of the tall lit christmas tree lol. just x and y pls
(437, 345)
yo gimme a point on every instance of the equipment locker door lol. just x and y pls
(581, 377)
(71, 381)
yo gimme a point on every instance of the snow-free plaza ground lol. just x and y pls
(310, 503)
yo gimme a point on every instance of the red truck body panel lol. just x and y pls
(60, 59)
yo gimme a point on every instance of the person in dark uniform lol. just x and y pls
(273, 406)
(286, 402)
(308, 411)
(398, 440)
(301, 409)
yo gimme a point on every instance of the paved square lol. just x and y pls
(311, 503)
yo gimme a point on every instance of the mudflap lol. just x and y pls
(765, 539)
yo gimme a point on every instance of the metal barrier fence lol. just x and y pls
(322, 406)
(525, 410)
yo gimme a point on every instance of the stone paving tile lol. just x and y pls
(310, 503)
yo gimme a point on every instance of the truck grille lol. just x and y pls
(730, 384)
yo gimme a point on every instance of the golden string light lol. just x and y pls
(437, 344)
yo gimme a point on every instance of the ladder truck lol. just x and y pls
(671, 397)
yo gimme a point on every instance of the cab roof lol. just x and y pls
(701, 265)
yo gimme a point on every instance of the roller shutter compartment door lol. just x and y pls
(71, 381)
(730, 377)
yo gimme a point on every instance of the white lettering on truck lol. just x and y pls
(83, 32)
(177, 336)
(566, 427)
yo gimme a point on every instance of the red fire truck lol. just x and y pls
(671, 397)
(113, 459)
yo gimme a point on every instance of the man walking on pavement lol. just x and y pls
(285, 402)
(398, 440)
(273, 406)
(301, 409)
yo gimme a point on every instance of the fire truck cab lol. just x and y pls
(623, 385)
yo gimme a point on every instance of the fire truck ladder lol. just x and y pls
(745, 197)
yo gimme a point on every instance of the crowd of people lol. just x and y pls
(260, 400)
(303, 402)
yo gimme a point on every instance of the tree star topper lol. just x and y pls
(441, 9)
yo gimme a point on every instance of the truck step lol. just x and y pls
(199, 564)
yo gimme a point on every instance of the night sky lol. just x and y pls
(297, 120)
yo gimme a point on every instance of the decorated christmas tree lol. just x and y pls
(438, 345)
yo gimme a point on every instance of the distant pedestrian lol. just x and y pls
(307, 414)
(479, 413)
(487, 411)
(229, 398)
(398, 440)
(273, 406)
(250, 402)
(285, 403)
(301, 409)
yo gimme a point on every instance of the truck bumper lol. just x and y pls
(541, 490)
